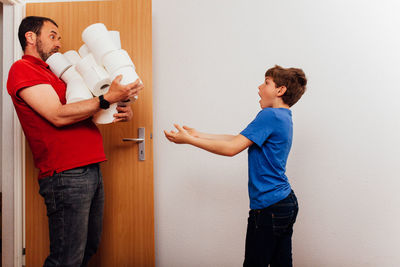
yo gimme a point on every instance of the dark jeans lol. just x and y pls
(74, 201)
(269, 234)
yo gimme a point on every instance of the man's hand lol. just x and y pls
(180, 137)
(119, 92)
(124, 113)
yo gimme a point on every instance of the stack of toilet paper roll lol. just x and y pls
(90, 72)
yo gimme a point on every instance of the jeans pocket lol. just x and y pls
(52, 197)
(282, 222)
(76, 172)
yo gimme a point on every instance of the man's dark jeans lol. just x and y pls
(269, 234)
(74, 201)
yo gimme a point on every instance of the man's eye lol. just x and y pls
(52, 36)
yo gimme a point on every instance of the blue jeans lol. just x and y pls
(269, 234)
(74, 200)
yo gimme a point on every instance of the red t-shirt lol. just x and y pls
(54, 149)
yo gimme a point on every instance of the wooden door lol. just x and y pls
(128, 234)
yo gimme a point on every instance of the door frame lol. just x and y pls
(13, 148)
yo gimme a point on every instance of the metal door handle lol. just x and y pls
(140, 140)
(136, 140)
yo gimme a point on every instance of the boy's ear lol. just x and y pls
(30, 38)
(282, 90)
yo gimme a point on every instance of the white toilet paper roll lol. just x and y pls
(116, 38)
(116, 60)
(96, 77)
(93, 32)
(101, 47)
(77, 91)
(58, 64)
(97, 80)
(128, 73)
(105, 116)
(72, 56)
(84, 51)
(86, 64)
(71, 74)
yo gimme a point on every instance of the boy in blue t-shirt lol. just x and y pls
(273, 204)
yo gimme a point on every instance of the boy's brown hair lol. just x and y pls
(293, 79)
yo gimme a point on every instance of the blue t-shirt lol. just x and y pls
(271, 131)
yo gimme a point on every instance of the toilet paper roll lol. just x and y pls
(101, 47)
(117, 59)
(83, 51)
(58, 64)
(77, 91)
(105, 116)
(86, 64)
(116, 38)
(71, 74)
(72, 56)
(97, 80)
(93, 32)
(129, 75)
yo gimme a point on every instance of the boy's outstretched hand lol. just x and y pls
(191, 131)
(180, 137)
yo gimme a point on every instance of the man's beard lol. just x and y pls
(43, 55)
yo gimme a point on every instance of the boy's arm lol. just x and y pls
(230, 147)
(195, 133)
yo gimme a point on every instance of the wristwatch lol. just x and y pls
(104, 104)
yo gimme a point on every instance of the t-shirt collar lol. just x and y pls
(35, 60)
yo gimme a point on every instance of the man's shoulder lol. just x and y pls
(22, 65)
(24, 73)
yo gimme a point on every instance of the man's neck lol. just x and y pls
(32, 52)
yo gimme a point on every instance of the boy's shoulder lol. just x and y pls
(276, 112)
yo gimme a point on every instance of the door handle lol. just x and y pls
(141, 141)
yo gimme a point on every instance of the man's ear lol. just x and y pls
(30, 38)
(282, 90)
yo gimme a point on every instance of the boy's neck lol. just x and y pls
(279, 104)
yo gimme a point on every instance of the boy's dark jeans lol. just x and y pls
(269, 234)
(74, 201)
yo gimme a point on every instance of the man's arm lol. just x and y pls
(230, 147)
(44, 100)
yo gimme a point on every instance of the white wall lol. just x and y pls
(209, 57)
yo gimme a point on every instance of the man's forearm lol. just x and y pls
(75, 112)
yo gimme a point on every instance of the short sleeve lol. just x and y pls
(23, 74)
(261, 127)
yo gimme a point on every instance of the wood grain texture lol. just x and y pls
(128, 234)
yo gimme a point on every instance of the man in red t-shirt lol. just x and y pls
(67, 146)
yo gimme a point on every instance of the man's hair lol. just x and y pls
(31, 24)
(293, 79)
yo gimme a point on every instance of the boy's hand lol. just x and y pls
(191, 131)
(180, 137)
